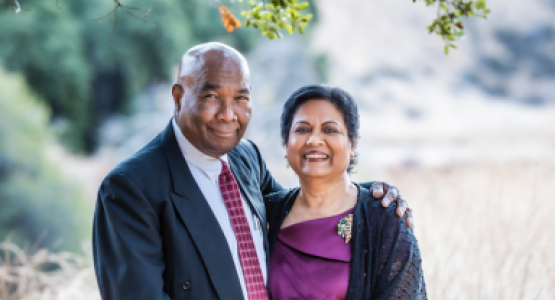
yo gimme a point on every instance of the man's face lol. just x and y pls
(213, 107)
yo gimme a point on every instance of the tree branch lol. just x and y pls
(15, 5)
(127, 10)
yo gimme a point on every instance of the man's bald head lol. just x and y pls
(212, 98)
(208, 56)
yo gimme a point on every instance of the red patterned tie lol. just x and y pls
(252, 273)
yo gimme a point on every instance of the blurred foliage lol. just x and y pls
(230, 21)
(449, 23)
(37, 204)
(85, 70)
(273, 16)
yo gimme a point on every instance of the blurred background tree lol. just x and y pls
(68, 60)
(38, 206)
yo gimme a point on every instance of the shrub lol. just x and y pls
(37, 204)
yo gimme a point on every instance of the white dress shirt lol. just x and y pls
(206, 170)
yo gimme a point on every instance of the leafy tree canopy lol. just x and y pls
(67, 60)
(69, 56)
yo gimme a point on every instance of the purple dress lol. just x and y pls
(310, 261)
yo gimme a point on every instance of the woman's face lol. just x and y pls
(319, 144)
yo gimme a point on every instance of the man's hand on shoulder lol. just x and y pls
(391, 192)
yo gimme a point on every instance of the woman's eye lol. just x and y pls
(330, 130)
(302, 130)
(210, 96)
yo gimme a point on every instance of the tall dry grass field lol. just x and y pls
(485, 232)
(45, 276)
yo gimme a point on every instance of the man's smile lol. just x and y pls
(223, 133)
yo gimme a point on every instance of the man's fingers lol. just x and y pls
(401, 206)
(410, 220)
(391, 195)
(377, 189)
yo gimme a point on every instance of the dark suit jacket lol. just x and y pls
(155, 236)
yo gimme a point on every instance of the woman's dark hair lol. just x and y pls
(336, 96)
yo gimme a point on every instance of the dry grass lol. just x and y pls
(45, 276)
(485, 232)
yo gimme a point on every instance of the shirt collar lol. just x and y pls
(209, 166)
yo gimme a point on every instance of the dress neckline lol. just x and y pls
(318, 237)
(348, 211)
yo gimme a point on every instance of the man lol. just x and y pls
(184, 217)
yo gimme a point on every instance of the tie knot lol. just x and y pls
(225, 169)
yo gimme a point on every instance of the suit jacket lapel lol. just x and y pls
(200, 221)
(251, 190)
(247, 186)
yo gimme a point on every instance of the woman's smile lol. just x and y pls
(315, 156)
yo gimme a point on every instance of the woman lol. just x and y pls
(314, 252)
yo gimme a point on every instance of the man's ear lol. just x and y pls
(177, 93)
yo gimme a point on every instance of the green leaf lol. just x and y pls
(289, 29)
(480, 4)
(303, 5)
(446, 49)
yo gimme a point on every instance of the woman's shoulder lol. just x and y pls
(277, 201)
(384, 224)
(374, 209)
(276, 204)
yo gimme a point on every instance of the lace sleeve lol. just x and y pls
(400, 275)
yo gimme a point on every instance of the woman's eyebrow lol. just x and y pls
(331, 122)
(301, 122)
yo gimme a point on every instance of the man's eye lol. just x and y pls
(210, 96)
(242, 98)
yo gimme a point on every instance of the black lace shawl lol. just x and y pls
(386, 262)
